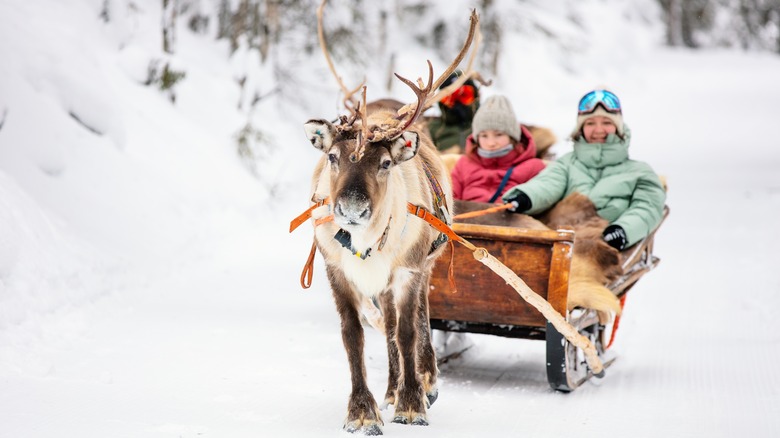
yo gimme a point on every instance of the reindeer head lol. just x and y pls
(363, 158)
(360, 169)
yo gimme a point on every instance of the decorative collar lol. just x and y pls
(345, 239)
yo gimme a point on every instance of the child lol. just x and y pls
(500, 153)
(625, 192)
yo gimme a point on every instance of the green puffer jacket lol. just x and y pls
(446, 136)
(453, 127)
(625, 192)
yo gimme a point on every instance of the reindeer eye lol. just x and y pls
(386, 164)
(332, 158)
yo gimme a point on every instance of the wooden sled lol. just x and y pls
(484, 303)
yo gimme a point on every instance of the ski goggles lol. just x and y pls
(605, 98)
(464, 95)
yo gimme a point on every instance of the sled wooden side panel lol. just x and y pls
(558, 287)
(540, 257)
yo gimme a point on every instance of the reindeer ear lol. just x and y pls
(405, 147)
(320, 133)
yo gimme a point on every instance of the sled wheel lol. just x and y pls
(566, 365)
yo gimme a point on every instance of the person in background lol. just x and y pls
(626, 192)
(449, 132)
(500, 154)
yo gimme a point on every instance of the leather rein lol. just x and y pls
(415, 210)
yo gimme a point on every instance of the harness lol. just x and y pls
(481, 255)
(440, 219)
(440, 202)
(345, 239)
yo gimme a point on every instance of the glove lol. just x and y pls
(521, 202)
(615, 236)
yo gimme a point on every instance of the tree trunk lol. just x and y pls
(169, 25)
(673, 21)
(238, 24)
(270, 28)
(688, 23)
(777, 46)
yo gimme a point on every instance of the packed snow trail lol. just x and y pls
(149, 288)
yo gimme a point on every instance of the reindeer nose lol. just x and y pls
(352, 210)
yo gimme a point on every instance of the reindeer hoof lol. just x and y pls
(372, 430)
(420, 420)
(401, 419)
(368, 430)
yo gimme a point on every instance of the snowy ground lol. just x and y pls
(141, 301)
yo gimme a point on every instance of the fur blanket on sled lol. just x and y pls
(594, 264)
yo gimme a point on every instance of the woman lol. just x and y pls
(500, 154)
(625, 192)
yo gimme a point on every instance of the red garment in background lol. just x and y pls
(476, 179)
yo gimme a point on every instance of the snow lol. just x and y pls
(149, 288)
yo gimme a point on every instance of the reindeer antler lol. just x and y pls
(428, 101)
(363, 135)
(472, 31)
(349, 101)
(469, 73)
(422, 93)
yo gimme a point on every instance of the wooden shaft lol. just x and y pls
(557, 320)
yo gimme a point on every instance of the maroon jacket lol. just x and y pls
(476, 179)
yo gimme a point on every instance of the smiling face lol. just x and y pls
(491, 140)
(597, 128)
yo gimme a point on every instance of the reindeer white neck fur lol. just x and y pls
(399, 183)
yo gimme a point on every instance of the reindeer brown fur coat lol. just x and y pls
(387, 258)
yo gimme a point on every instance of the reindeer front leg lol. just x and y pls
(426, 357)
(362, 411)
(410, 407)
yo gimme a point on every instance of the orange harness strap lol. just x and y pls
(323, 220)
(420, 212)
(483, 212)
(308, 268)
(451, 269)
(437, 223)
(306, 215)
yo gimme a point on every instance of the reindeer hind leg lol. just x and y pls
(387, 304)
(426, 357)
(410, 404)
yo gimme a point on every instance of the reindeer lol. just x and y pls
(378, 170)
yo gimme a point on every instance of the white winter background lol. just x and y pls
(149, 286)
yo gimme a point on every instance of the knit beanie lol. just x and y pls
(617, 118)
(496, 113)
